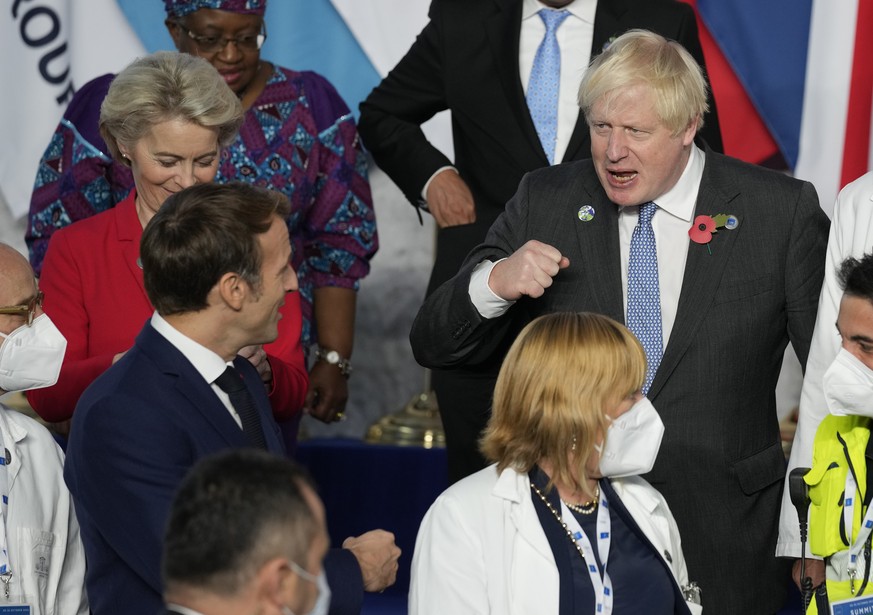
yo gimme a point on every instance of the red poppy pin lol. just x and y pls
(704, 226)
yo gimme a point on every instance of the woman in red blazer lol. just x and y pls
(167, 116)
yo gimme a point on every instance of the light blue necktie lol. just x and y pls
(644, 293)
(545, 79)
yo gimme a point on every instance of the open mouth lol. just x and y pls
(622, 177)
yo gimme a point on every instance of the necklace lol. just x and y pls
(585, 508)
(559, 520)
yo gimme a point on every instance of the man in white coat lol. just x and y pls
(851, 235)
(42, 562)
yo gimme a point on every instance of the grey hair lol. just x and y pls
(165, 86)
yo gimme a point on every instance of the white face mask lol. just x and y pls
(322, 603)
(31, 357)
(848, 386)
(632, 441)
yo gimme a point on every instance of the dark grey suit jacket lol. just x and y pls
(720, 465)
(466, 60)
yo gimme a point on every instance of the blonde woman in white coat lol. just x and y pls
(542, 531)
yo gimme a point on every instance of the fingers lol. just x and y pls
(449, 200)
(378, 556)
(528, 272)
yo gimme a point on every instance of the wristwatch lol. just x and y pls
(334, 358)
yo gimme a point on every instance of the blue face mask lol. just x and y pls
(322, 603)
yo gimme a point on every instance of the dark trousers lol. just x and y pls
(464, 400)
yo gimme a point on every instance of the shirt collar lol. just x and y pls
(681, 199)
(583, 9)
(207, 363)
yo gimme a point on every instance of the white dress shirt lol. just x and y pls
(575, 38)
(670, 224)
(207, 363)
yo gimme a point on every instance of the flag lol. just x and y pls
(385, 30)
(51, 50)
(809, 78)
(835, 130)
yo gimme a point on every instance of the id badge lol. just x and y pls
(15, 609)
(862, 605)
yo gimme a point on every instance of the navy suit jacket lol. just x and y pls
(136, 431)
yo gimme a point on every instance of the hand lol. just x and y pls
(815, 569)
(257, 356)
(449, 200)
(377, 556)
(528, 272)
(327, 394)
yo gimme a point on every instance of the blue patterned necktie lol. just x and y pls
(644, 293)
(545, 78)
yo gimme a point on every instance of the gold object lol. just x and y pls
(585, 508)
(558, 518)
(416, 424)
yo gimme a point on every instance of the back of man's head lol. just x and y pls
(643, 57)
(856, 277)
(233, 513)
(201, 233)
(15, 273)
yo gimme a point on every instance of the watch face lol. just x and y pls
(332, 357)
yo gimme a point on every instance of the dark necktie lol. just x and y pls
(232, 383)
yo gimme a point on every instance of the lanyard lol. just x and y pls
(850, 497)
(5, 570)
(602, 585)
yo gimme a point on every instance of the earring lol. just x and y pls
(573, 445)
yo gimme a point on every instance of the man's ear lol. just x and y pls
(276, 583)
(691, 131)
(233, 290)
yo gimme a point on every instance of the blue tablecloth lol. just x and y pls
(368, 486)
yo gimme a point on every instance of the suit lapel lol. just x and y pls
(128, 233)
(704, 267)
(504, 30)
(190, 385)
(599, 246)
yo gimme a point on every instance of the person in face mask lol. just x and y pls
(561, 523)
(47, 575)
(246, 534)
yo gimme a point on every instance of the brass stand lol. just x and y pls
(417, 424)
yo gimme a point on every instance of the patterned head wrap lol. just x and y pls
(180, 8)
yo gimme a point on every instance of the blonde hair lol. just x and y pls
(642, 57)
(164, 86)
(560, 376)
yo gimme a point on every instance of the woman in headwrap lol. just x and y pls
(297, 137)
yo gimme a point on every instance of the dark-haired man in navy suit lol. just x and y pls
(216, 266)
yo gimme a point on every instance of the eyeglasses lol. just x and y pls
(214, 44)
(28, 308)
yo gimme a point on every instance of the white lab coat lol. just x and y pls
(481, 548)
(45, 551)
(851, 234)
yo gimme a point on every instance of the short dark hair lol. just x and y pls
(856, 277)
(234, 512)
(201, 233)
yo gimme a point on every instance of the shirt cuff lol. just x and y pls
(488, 304)
(422, 203)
